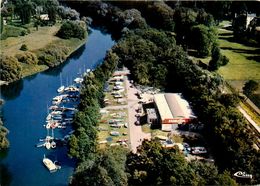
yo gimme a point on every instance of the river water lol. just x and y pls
(25, 111)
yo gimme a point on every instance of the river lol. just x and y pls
(24, 114)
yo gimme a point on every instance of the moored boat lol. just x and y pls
(51, 166)
(40, 144)
(61, 89)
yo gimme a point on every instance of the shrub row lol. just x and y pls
(53, 55)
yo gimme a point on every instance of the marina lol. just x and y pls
(25, 113)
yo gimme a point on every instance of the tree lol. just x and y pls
(154, 165)
(204, 18)
(10, 68)
(25, 9)
(239, 26)
(160, 16)
(51, 7)
(217, 59)
(107, 167)
(225, 179)
(229, 100)
(203, 38)
(4, 143)
(71, 29)
(250, 87)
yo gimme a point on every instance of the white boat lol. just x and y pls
(56, 112)
(78, 80)
(40, 144)
(48, 125)
(72, 89)
(56, 100)
(48, 117)
(48, 145)
(61, 89)
(50, 165)
(244, 175)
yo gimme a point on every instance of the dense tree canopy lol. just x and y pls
(107, 167)
(10, 68)
(202, 38)
(250, 87)
(71, 29)
(4, 143)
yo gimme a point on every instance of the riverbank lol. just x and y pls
(24, 113)
(38, 42)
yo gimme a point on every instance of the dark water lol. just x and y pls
(25, 111)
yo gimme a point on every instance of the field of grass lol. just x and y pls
(28, 70)
(36, 40)
(243, 60)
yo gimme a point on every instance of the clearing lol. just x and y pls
(34, 41)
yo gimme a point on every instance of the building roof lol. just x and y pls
(172, 105)
(178, 106)
(162, 106)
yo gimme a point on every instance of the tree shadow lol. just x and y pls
(225, 34)
(12, 90)
(246, 51)
(5, 175)
(256, 58)
(241, 41)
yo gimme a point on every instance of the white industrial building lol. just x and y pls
(173, 110)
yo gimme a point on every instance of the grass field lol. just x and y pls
(28, 70)
(243, 60)
(36, 40)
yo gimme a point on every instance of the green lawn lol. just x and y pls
(36, 40)
(243, 64)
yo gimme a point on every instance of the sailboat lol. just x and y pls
(61, 89)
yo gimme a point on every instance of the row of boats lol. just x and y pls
(60, 116)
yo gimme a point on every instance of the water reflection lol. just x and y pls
(54, 71)
(76, 55)
(11, 91)
(32, 77)
(3, 153)
(5, 175)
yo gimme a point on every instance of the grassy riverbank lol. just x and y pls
(37, 42)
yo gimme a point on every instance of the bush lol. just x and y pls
(12, 31)
(71, 29)
(53, 55)
(28, 58)
(10, 68)
(24, 47)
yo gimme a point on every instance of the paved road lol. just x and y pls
(135, 132)
(252, 122)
